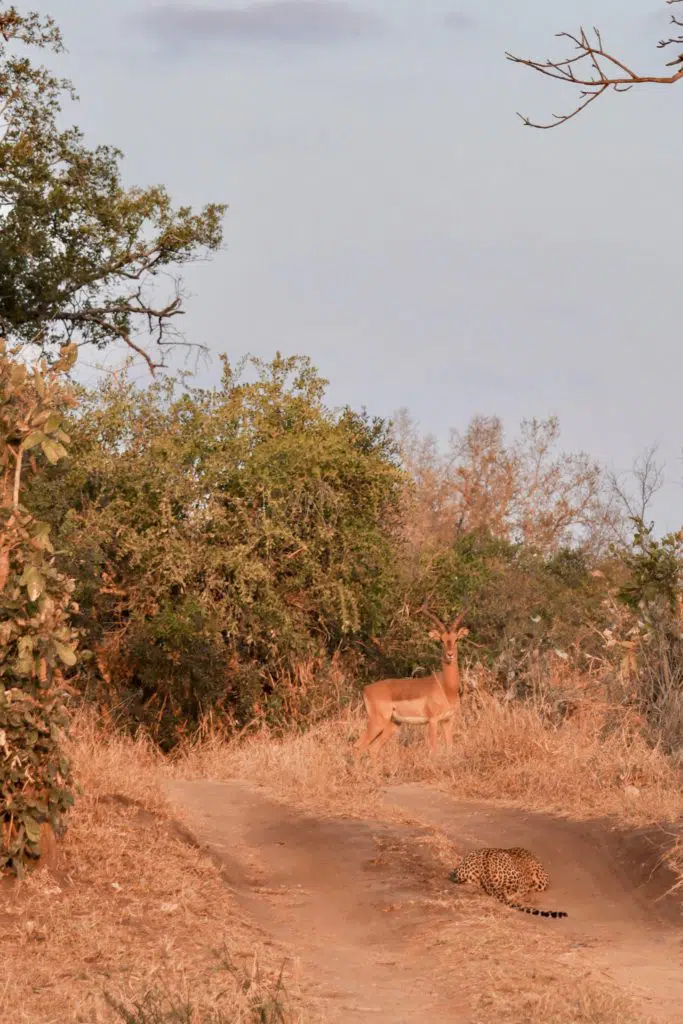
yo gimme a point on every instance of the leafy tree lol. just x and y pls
(36, 640)
(593, 70)
(220, 536)
(80, 255)
(522, 606)
(653, 591)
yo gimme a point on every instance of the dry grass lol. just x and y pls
(132, 920)
(594, 764)
(136, 925)
(583, 767)
(530, 979)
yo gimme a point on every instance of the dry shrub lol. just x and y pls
(308, 692)
(132, 917)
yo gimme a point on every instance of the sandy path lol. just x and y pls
(611, 882)
(369, 928)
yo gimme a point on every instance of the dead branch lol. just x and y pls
(644, 480)
(105, 317)
(593, 70)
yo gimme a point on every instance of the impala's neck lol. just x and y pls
(450, 675)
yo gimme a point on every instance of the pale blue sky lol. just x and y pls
(390, 216)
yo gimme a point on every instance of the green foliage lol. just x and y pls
(654, 568)
(80, 254)
(37, 642)
(517, 603)
(652, 590)
(35, 776)
(218, 536)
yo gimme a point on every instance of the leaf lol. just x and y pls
(34, 583)
(54, 451)
(67, 357)
(32, 828)
(66, 654)
(34, 438)
(41, 537)
(52, 423)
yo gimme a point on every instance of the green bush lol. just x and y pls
(516, 602)
(37, 642)
(218, 538)
(35, 777)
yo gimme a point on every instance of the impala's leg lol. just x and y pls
(375, 727)
(376, 722)
(433, 734)
(389, 729)
(448, 732)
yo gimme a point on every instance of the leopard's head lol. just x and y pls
(460, 873)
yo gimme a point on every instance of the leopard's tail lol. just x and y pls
(530, 910)
(536, 912)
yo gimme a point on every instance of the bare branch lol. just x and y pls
(646, 479)
(111, 318)
(100, 318)
(593, 70)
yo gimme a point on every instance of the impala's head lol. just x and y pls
(449, 636)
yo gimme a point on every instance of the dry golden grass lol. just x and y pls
(134, 915)
(591, 765)
(594, 764)
(507, 752)
(528, 979)
(131, 914)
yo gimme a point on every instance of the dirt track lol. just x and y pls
(368, 910)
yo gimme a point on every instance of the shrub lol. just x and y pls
(218, 538)
(36, 639)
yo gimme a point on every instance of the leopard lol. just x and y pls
(505, 873)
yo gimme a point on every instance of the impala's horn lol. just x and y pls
(433, 617)
(458, 619)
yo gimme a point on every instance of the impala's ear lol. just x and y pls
(434, 634)
(463, 632)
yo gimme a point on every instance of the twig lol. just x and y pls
(93, 317)
(607, 71)
(19, 458)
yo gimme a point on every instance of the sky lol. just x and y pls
(391, 217)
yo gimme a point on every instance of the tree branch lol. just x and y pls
(99, 318)
(106, 317)
(606, 70)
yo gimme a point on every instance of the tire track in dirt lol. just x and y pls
(371, 928)
(309, 883)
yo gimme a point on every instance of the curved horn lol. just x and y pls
(458, 619)
(434, 618)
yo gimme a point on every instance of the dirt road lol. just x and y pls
(380, 933)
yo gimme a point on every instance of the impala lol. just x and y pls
(430, 701)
